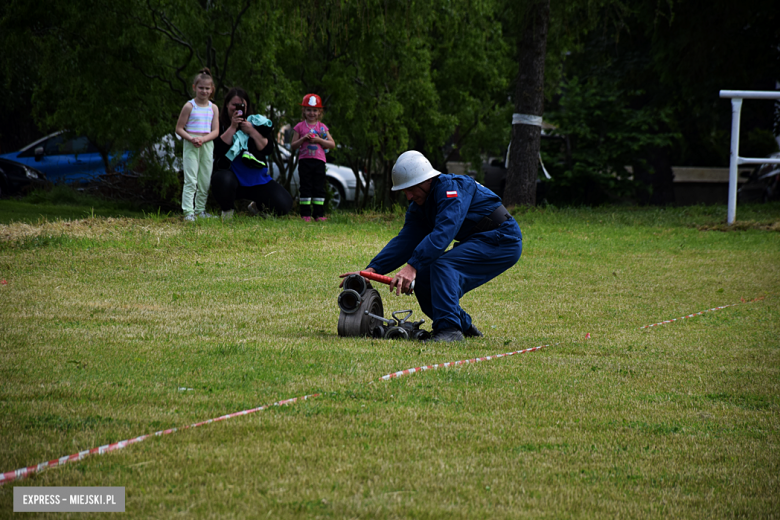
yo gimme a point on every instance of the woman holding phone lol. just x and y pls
(240, 171)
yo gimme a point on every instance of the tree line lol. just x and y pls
(623, 84)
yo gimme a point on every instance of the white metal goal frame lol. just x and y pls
(735, 160)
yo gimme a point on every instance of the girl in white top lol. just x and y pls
(198, 125)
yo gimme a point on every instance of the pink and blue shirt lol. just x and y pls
(311, 150)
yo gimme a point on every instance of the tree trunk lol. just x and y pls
(529, 100)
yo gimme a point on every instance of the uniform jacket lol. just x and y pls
(454, 205)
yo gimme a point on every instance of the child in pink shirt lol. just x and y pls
(313, 138)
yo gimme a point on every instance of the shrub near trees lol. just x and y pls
(443, 77)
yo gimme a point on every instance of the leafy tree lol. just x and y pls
(605, 133)
(19, 71)
(70, 84)
(401, 75)
(674, 57)
(371, 63)
(473, 67)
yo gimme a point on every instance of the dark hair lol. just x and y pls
(224, 118)
(205, 75)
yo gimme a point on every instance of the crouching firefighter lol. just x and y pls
(444, 208)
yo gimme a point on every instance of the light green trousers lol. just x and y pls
(197, 176)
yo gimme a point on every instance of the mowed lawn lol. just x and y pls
(112, 328)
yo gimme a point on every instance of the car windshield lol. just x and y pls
(59, 145)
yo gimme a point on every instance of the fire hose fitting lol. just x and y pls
(396, 333)
(356, 283)
(349, 301)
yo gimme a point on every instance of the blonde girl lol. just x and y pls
(198, 125)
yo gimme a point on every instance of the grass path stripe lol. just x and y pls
(22, 473)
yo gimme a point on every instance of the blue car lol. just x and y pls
(64, 159)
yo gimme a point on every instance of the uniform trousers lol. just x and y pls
(440, 286)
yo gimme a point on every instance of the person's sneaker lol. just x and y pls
(322, 219)
(227, 215)
(252, 208)
(306, 219)
(447, 335)
(250, 161)
(473, 332)
(203, 214)
(190, 217)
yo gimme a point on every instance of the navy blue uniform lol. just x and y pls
(453, 207)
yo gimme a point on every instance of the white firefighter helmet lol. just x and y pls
(411, 169)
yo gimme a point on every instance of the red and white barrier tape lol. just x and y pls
(456, 363)
(701, 312)
(30, 470)
(19, 474)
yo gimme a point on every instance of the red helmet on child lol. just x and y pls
(311, 100)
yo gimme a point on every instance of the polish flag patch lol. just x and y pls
(452, 194)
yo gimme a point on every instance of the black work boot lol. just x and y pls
(447, 335)
(473, 332)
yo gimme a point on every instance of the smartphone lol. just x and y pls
(242, 111)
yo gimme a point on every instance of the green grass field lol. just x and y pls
(62, 202)
(112, 328)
